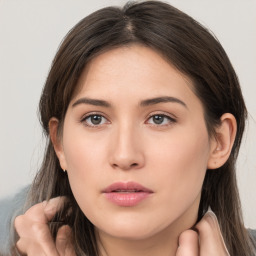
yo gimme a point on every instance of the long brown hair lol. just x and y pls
(194, 51)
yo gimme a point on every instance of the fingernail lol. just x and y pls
(213, 215)
(210, 212)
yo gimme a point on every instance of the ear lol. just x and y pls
(222, 142)
(57, 142)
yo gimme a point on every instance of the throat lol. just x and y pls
(153, 246)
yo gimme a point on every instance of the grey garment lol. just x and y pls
(9, 208)
(252, 233)
(253, 236)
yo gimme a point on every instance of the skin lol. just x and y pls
(128, 144)
(35, 238)
(34, 232)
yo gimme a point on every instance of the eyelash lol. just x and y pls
(170, 119)
(83, 120)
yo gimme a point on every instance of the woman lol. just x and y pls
(144, 117)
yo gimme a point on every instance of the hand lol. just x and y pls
(35, 236)
(207, 242)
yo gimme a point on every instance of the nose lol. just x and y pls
(127, 149)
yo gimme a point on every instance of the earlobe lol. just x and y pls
(56, 141)
(222, 143)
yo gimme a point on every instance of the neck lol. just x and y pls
(164, 243)
(110, 246)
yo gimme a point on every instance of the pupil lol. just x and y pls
(96, 119)
(158, 119)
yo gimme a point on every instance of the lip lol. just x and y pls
(126, 194)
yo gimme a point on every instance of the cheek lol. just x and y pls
(82, 150)
(84, 166)
(181, 162)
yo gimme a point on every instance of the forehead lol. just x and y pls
(132, 69)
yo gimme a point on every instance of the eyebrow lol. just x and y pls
(163, 99)
(144, 103)
(94, 102)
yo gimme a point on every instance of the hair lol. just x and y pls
(195, 52)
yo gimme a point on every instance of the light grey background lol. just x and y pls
(30, 32)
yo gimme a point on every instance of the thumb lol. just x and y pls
(210, 237)
(188, 244)
(64, 241)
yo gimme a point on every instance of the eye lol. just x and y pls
(94, 120)
(160, 119)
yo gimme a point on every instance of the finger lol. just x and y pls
(35, 237)
(34, 250)
(64, 241)
(211, 240)
(188, 244)
(33, 229)
(45, 211)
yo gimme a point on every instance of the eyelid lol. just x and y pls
(85, 116)
(172, 118)
(93, 113)
(163, 113)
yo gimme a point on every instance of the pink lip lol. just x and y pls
(126, 193)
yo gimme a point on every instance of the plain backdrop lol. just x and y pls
(30, 33)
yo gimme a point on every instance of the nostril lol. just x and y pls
(125, 166)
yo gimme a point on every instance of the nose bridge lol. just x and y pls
(126, 137)
(127, 148)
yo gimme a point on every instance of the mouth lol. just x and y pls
(127, 191)
(126, 194)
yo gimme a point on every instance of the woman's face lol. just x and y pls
(135, 145)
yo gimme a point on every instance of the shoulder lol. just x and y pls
(10, 207)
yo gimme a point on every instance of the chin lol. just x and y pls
(131, 229)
